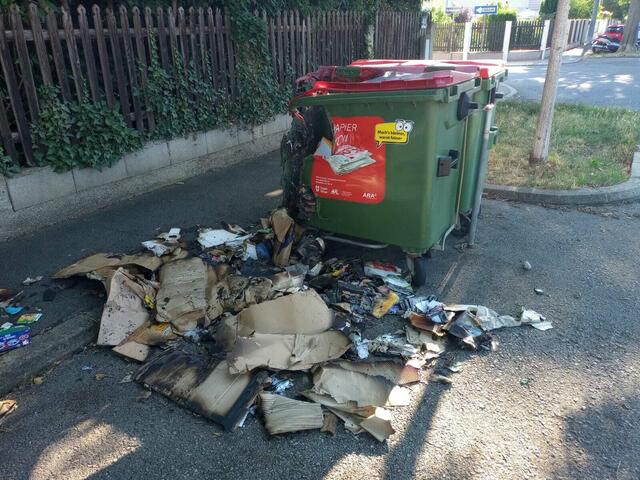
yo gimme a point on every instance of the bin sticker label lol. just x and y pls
(393, 132)
(356, 169)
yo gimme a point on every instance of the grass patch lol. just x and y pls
(590, 146)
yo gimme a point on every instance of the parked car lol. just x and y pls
(615, 33)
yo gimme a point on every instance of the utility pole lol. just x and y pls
(592, 26)
(542, 137)
(631, 27)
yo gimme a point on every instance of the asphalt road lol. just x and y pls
(557, 404)
(594, 81)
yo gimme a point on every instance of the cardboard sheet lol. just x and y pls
(396, 373)
(125, 308)
(282, 414)
(286, 352)
(378, 424)
(298, 313)
(283, 229)
(208, 390)
(348, 407)
(134, 350)
(345, 385)
(101, 260)
(182, 298)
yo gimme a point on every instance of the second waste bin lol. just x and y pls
(380, 150)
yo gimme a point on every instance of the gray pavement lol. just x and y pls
(613, 81)
(557, 404)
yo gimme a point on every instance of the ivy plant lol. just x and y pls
(7, 166)
(80, 134)
(181, 100)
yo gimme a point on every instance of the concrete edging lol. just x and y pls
(38, 196)
(629, 190)
(19, 366)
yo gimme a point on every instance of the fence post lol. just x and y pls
(545, 37)
(466, 41)
(369, 37)
(506, 40)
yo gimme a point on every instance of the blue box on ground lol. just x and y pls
(14, 337)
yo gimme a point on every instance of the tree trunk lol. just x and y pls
(631, 27)
(542, 137)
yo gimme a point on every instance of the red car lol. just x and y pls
(614, 32)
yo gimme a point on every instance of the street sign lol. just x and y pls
(485, 9)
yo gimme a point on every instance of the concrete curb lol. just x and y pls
(629, 190)
(21, 365)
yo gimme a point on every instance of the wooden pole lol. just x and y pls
(631, 27)
(542, 137)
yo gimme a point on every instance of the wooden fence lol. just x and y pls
(398, 34)
(104, 55)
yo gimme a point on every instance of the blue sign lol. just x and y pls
(485, 9)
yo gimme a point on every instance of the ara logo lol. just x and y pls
(370, 196)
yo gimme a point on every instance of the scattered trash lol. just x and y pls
(87, 368)
(6, 325)
(280, 385)
(283, 414)
(213, 238)
(13, 309)
(539, 291)
(14, 337)
(379, 269)
(383, 305)
(38, 380)
(542, 326)
(27, 318)
(526, 265)
(329, 423)
(525, 381)
(9, 406)
(210, 391)
(218, 319)
(31, 281)
(536, 320)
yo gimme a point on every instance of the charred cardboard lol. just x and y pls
(181, 298)
(124, 310)
(286, 352)
(134, 350)
(345, 386)
(236, 292)
(329, 423)
(207, 390)
(397, 373)
(378, 424)
(425, 340)
(282, 414)
(299, 313)
(284, 231)
(347, 407)
(101, 260)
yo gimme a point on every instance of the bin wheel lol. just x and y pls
(418, 266)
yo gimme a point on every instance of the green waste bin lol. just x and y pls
(379, 149)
